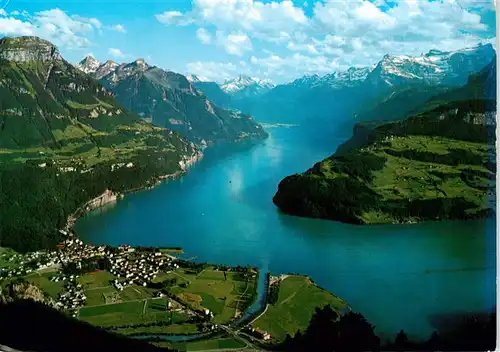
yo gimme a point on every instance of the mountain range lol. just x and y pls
(390, 89)
(170, 100)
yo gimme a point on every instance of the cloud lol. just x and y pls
(14, 26)
(407, 18)
(295, 65)
(279, 68)
(236, 43)
(93, 21)
(118, 28)
(255, 18)
(116, 53)
(204, 36)
(351, 32)
(54, 25)
(361, 32)
(216, 71)
(173, 17)
(309, 48)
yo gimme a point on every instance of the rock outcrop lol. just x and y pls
(26, 49)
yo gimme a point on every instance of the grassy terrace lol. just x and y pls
(78, 142)
(295, 304)
(399, 178)
(423, 167)
(108, 307)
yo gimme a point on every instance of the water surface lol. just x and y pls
(398, 276)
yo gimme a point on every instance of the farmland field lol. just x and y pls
(209, 289)
(126, 313)
(97, 279)
(44, 283)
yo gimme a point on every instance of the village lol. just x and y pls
(73, 261)
(72, 258)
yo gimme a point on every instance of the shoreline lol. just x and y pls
(108, 196)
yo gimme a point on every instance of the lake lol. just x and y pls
(397, 276)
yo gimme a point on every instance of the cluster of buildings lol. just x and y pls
(72, 298)
(137, 267)
(258, 333)
(129, 265)
(24, 264)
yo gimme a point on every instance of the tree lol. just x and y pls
(329, 332)
(434, 343)
(401, 343)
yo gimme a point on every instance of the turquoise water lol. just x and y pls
(398, 276)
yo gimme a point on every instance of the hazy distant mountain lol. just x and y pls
(350, 78)
(233, 93)
(213, 91)
(245, 86)
(404, 83)
(171, 100)
(395, 86)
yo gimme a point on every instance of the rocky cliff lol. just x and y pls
(26, 49)
(105, 198)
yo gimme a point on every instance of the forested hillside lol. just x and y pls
(64, 140)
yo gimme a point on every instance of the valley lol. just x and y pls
(245, 274)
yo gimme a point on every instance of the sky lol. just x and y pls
(278, 40)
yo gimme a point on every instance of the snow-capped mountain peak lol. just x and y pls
(105, 69)
(242, 82)
(434, 67)
(88, 65)
(338, 79)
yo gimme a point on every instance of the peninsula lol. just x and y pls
(438, 164)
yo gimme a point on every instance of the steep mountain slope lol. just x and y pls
(62, 128)
(170, 100)
(439, 164)
(214, 93)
